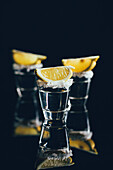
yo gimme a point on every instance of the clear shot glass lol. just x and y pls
(78, 119)
(54, 136)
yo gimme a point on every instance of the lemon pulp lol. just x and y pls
(54, 73)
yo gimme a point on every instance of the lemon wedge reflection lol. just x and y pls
(86, 145)
(24, 130)
(51, 163)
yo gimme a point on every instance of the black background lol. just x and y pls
(61, 29)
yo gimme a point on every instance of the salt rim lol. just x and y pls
(87, 74)
(80, 134)
(55, 84)
(28, 67)
(60, 156)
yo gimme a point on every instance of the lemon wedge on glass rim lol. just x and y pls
(81, 64)
(25, 58)
(55, 73)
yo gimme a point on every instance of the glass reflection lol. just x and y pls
(83, 142)
(52, 160)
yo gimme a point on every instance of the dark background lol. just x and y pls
(61, 29)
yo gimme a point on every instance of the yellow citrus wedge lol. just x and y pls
(80, 144)
(86, 145)
(46, 134)
(92, 143)
(38, 128)
(81, 64)
(22, 130)
(51, 163)
(54, 73)
(25, 58)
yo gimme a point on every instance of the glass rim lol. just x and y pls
(19, 72)
(82, 81)
(18, 67)
(85, 74)
(65, 90)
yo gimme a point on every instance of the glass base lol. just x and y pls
(54, 138)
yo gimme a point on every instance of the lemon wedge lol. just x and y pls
(25, 58)
(81, 64)
(54, 73)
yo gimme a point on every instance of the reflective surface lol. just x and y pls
(20, 152)
(23, 152)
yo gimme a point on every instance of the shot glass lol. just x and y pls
(54, 136)
(78, 118)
